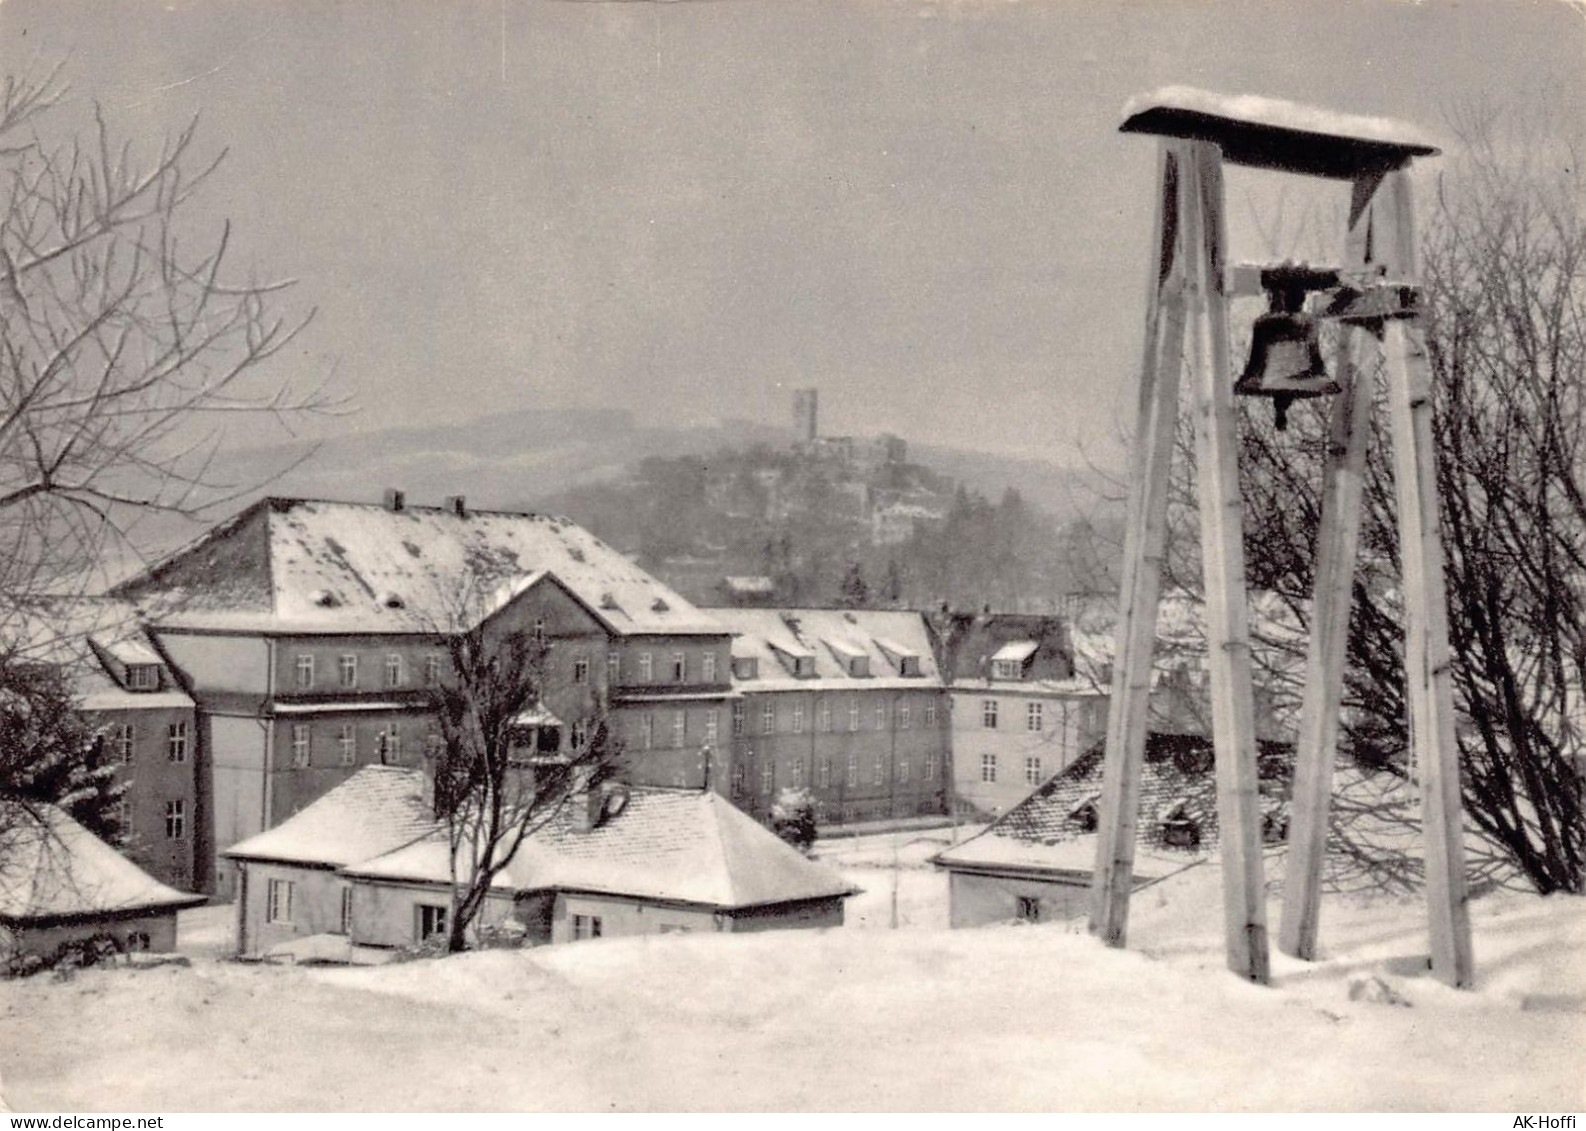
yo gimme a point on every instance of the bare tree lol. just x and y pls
(1504, 278)
(128, 339)
(503, 765)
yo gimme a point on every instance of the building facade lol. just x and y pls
(313, 637)
(847, 704)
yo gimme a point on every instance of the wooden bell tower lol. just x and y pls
(1188, 291)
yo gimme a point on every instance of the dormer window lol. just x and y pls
(1179, 829)
(908, 665)
(745, 667)
(143, 677)
(1012, 660)
(803, 666)
(859, 666)
(1005, 669)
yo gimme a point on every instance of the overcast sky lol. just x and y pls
(692, 207)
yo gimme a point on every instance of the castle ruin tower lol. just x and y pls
(804, 415)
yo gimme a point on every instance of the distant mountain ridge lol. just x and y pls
(513, 461)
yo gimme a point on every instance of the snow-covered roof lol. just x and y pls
(53, 868)
(830, 637)
(1017, 651)
(673, 845)
(1177, 771)
(84, 637)
(314, 566)
(376, 810)
(1272, 133)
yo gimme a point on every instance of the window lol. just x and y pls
(707, 665)
(988, 767)
(679, 668)
(1007, 669)
(853, 714)
(578, 734)
(644, 667)
(393, 670)
(903, 716)
(1032, 771)
(175, 819)
(580, 671)
(613, 668)
(646, 731)
(710, 725)
(429, 920)
(300, 749)
(432, 671)
(825, 716)
(768, 718)
(798, 718)
(143, 677)
(879, 772)
(930, 714)
(881, 717)
(123, 737)
(586, 926)
(305, 672)
(347, 667)
(539, 630)
(798, 773)
(124, 814)
(930, 767)
(278, 902)
(737, 718)
(346, 911)
(826, 773)
(853, 771)
(1027, 909)
(988, 714)
(176, 742)
(349, 744)
(390, 746)
(768, 777)
(903, 769)
(737, 779)
(1032, 716)
(680, 728)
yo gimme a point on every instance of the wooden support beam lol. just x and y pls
(1337, 544)
(1222, 552)
(1144, 539)
(1428, 658)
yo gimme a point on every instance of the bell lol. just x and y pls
(1285, 357)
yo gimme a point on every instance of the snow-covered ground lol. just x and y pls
(922, 1018)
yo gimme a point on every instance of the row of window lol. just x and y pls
(1034, 715)
(388, 745)
(823, 720)
(175, 818)
(742, 774)
(123, 738)
(676, 671)
(396, 671)
(1032, 769)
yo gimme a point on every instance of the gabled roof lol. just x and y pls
(833, 638)
(372, 812)
(315, 566)
(682, 846)
(1040, 831)
(52, 868)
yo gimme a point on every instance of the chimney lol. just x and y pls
(458, 505)
(587, 809)
(394, 499)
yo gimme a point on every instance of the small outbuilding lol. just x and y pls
(368, 863)
(61, 886)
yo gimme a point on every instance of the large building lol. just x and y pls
(143, 719)
(1020, 712)
(311, 635)
(847, 704)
